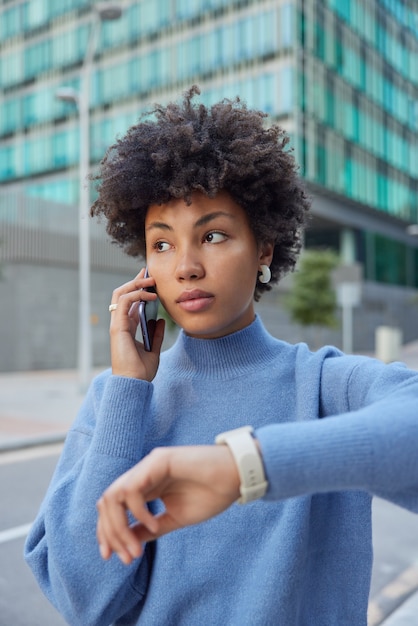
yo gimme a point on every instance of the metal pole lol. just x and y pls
(347, 319)
(85, 358)
(84, 335)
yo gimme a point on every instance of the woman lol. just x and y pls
(211, 198)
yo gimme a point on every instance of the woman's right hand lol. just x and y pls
(128, 356)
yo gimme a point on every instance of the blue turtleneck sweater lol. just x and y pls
(333, 429)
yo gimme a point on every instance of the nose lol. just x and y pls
(189, 267)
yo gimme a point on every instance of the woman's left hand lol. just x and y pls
(194, 483)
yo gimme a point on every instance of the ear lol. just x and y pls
(265, 254)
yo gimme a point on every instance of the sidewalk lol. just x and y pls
(38, 408)
(405, 615)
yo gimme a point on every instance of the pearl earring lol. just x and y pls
(265, 274)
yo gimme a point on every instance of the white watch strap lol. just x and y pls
(247, 457)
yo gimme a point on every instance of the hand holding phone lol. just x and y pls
(148, 312)
(133, 355)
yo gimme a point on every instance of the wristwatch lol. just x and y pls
(247, 457)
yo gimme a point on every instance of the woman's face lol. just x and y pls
(205, 261)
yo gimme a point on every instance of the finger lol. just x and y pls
(164, 524)
(126, 287)
(136, 504)
(115, 534)
(134, 313)
(133, 548)
(105, 551)
(128, 493)
(126, 316)
(129, 301)
(134, 285)
(141, 484)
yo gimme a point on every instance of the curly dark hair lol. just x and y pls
(189, 147)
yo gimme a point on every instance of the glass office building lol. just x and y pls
(340, 76)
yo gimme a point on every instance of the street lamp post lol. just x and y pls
(102, 11)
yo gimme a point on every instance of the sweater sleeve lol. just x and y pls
(61, 549)
(368, 441)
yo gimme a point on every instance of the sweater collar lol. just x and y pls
(225, 357)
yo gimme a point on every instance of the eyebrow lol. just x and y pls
(205, 219)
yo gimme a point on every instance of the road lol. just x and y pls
(24, 476)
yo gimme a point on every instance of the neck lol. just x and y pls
(224, 357)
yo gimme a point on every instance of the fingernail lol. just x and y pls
(125, 558)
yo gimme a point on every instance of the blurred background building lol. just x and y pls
(340, 76)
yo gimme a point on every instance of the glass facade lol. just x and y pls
(342, 77)
(359, 84)
(358, 116)
(155, 47)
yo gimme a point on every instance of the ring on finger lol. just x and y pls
(112, 307)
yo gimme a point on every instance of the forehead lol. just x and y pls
(178, 209)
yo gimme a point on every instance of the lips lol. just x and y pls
(195, 300)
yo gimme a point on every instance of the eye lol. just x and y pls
(161, 246)
(215, 237)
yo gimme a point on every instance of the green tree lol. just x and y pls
(312, 300)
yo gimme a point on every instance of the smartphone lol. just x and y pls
(148, 312)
